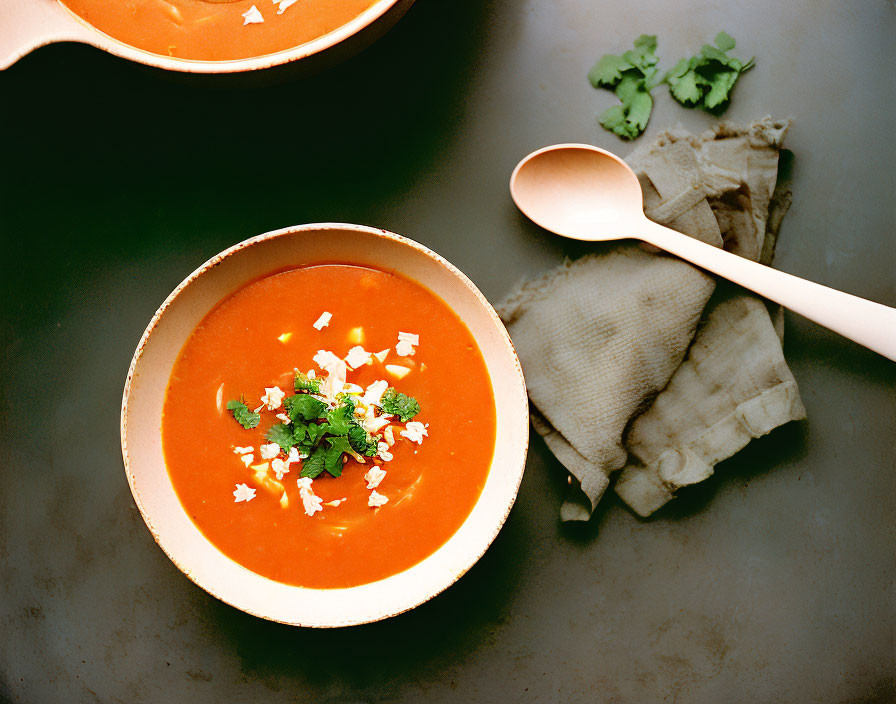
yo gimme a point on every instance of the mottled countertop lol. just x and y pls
(773, 581)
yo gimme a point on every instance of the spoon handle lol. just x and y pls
(870, 324)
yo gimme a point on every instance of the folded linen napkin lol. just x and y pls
(638, 361)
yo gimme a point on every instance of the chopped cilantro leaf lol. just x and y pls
(303, 406)
(316, 432)
(303, 383)
(312, 466)
(241, 413)
(405, 407)
(361, 442)
(706, 80)
(333, 456)
(283, 435)
(341, 418)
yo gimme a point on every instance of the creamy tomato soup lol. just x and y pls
(216, 31)
(329, 426)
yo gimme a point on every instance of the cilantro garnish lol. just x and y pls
(303, 406)
(311, 423)
(341, 418)
(312, 466)
(281, 434)
(241, 413)
(405, 407)
(631, 76)
(303, 383)
(361, 442)
(706, 80)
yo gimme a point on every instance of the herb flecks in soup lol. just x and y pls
(216, 31)
(307, 456)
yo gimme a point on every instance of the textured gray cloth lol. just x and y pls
(632, 361)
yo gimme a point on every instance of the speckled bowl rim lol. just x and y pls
(522, 412)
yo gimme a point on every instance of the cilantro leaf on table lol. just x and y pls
(304, 383)
(241, 413)
(706, 80)
(303, 406)
(405, 407)
(631, 76)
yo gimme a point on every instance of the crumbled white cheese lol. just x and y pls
(352, 389)
(374, 476)
(335, 502)
(311, 373)
(382, 451)
(243, 450)
(404, 348)
(388, 436)
(284, 5)
(410, 338)
(273, 397)
(376, 499)
(398, 371)
(323, 320)
(375, 424)
(283, 417)
(336, 370)
(414, 431)
(293, 455)
(381, 355)
(243, 493)
(284, 501)
(280, 468)
(373, 394)
(310, 501)
(357, 357)
(252, 16)
(247, 459)
(284, 338)
(269, 451)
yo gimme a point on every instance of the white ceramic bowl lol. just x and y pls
(26, 25)
(144, 394)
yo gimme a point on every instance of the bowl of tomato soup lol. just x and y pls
(325, 425)
(202, 36)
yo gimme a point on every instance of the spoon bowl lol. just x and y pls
(579, 191)
(587, 193)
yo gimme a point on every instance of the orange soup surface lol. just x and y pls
(252, 342)
(216, 31)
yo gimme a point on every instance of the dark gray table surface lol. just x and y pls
(773, 581)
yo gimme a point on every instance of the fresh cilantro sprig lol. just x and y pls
(241, 413)
(304, 383)
(706, 80)
(324, 435)
(631, 76)
(405, 407)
